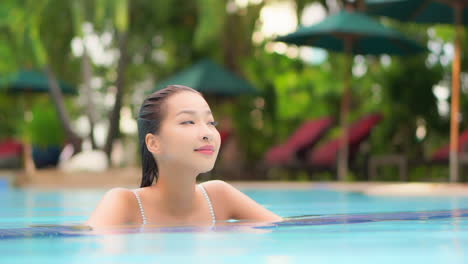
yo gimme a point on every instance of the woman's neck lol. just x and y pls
(177, 191)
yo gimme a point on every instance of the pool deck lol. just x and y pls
(130, 177)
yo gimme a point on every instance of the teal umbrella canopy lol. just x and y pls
(30, 81)
(419, 11)
(208, 77)
(368, 36)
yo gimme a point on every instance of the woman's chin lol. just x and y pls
(205, 169)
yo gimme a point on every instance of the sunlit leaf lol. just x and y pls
(210, 24)
(121, 15)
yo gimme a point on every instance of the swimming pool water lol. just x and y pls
(407, 237)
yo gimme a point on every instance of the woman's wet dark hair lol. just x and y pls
(152, 113)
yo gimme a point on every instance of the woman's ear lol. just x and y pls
(152, 143)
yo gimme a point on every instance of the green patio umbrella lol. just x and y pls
(30, 81)
(434, 11)
(210, 78)
(25, 83)
(351, 33)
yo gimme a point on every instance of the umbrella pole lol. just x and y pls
(343, 153)
(28, 160)
(455, 101)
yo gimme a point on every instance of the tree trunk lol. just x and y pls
(86, 69)
(57, 98)
(231, 45)
(113, 132)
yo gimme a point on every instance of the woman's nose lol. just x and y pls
(206, 133)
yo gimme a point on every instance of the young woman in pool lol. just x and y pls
(179, 140)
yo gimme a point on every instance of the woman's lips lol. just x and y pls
(207, 150)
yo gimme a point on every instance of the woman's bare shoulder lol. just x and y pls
(218, 191)
(121, 197)
(119, 192)
(238, 205)
(116, 207)
(217, 187)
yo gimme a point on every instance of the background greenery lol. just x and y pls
(155, 39)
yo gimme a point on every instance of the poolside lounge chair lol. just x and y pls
(438, 157)
(442, 154)
(325, 156)
(305, 137)
(10, 154)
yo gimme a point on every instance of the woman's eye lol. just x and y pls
(214, 123)
(187, 122)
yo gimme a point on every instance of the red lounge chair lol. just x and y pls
(443, 153)
(305, 137)
(325, 156)
(10, 154)
(9, 148)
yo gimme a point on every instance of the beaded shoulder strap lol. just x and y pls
(213, 217)
(143, 217)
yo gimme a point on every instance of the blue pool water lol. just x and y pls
(341, 227)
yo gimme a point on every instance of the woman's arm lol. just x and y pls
(241, 207)
(115, 208)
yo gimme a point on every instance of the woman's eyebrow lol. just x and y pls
(191, 112)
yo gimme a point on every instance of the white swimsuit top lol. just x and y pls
(210, 206)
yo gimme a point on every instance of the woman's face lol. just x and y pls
(188, 135)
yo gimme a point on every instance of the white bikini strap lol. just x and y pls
(143, 217)
(213, 218)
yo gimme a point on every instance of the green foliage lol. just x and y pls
(10, 114)
(44, 129)
(406, 87)
(293, 92)
(411, 93)
(445, 32)
(211, 17)
(121, 15)
(6, 53)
